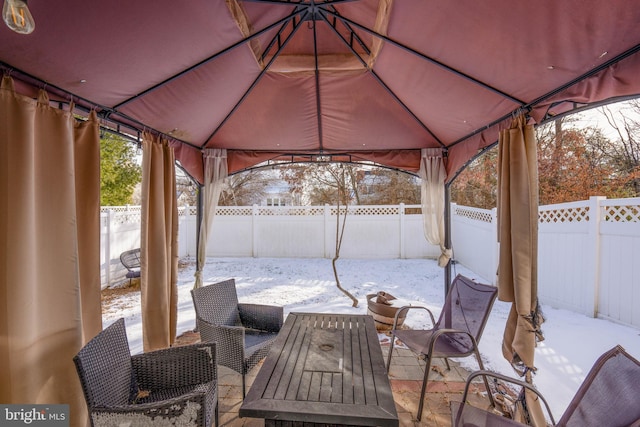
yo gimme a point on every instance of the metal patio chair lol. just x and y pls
(243, 332)
(608, 396)
(176, 385)
(456, 333)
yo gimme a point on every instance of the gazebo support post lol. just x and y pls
(447, 234)
(199, 209)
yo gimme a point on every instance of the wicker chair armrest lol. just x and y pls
(229, 343)
(176, 366)
(404, 310)
(210, 332)
(183, 410)
(261, 317)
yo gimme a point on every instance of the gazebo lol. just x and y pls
(219, 87)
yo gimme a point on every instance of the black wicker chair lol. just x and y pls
(176, 385)
(243, 332)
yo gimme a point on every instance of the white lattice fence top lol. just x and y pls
(127, 217)
(187, 210)
(126, 208)
(620, 210)
(474, 213)
(134, 211)
(621, 213)
(368, 210)
(234, 211)
(123, 214)
(290, 211)
(561, 215)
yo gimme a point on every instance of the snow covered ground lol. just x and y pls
(572, 341)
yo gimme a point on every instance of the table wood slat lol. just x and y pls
(347, 377)
(296, 374)
(356, 360)
(326, 387)
(305, 384)
(291, 346)
(290, 376)
(368, 374)
(336, 395)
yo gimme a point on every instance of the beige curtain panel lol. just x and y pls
(50, 256)
(158, 244)
(215, 172)
(433, 175)
(518, 259)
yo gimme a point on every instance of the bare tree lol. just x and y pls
(342, 186)
(317, 184)
(298, 177)
(333, 181)
(248, 188)
(476, 185)
(625, 151)
(327, 183)
(186, 189)
(388, 187)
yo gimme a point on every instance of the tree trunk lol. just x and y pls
(339, 234)
(346, 292)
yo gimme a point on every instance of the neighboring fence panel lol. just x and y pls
(282, 231)
(296, 232)
(473, 233)
(587, 259)
(187, 236)
(231, 234)
(565, 274)
(119, 232)
(370, 232)
(414, 244)
(588, 254)
(619, 272)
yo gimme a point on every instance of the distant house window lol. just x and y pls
(276, 201)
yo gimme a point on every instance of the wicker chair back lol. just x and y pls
(217, 303)
(104, 367)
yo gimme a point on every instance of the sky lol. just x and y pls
(572, 341)
(595, 117)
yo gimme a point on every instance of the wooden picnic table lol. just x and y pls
(323, 369)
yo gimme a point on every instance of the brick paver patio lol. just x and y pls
(405, 376)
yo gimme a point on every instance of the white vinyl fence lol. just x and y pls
(589, 251)
(588, 254)
(278, 231)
